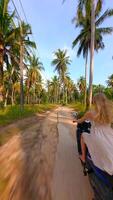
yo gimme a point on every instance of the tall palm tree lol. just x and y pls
(33, 74)
(24, 45)
(11, 75)
(92, 50)
(54, 84)
(61, 62)
(84, 39)
(10, 40)
(7, 38)
(81, 86)
(48, 82)
(69, 88)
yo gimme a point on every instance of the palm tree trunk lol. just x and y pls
(55, 94)
(21, 69)
(85, 96)
(66, 95)
(28, 95)
(63, 94)
(6, 97)
(1, 72)
(92, 50)
(34, 94)
(58, 92)
(28, 98)
(12, 97)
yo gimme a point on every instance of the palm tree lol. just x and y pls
(84, 39)
(69, 88)
(54, 84)
(110, 81)
(11, 40)
(7, 38)
(33, 74)
(11, 76)
(15, 92)
(25, 46)
(38, 90)
(98, 88)
(92, 50)
(61, 62)
(48, 89)
(81, 86)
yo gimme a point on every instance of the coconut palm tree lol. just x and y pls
(11, 40)
(11, 75)
(110, 81)
(48, 89)
(33, 74)
(54, 85)
(69, 88)
(7, 38)
(98, 88)
(81, 86)
(61, 62)
(25, 46)
(87, 23)
(38, 90)
(92, 49)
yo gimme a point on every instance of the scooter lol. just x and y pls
(100, 181)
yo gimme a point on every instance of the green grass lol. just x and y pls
(12, 113)
(78, 107)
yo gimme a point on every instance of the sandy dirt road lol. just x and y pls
(68, 180)
(27, 159)
(41, 161)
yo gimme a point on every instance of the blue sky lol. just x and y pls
(52, 29)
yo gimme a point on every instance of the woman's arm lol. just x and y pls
(87, 116)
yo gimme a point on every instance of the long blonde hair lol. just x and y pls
(103, 108)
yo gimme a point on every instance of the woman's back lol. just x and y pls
(100, 141)
(100, 146)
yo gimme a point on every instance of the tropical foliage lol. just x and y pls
(16, 59)
(61, 62)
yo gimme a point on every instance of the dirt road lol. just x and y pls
(41, 161)
(27, 160)
(68, 180)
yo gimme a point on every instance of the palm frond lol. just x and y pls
(29, 43)
(77, 40)
(80, 49)
(5, 6)
(98, 8)
(106, 14)
(106, 30)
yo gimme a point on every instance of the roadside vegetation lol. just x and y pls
(10, 114)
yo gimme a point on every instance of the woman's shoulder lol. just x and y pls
(90, 114)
